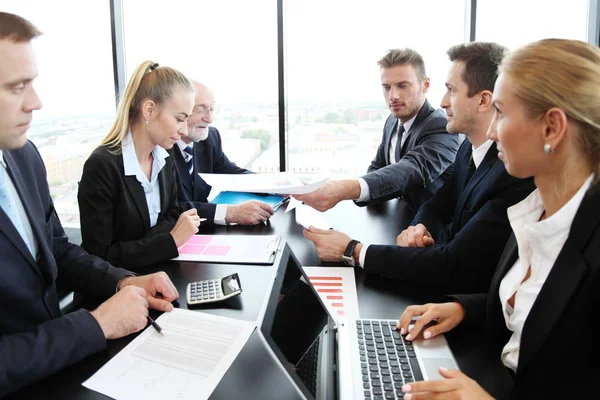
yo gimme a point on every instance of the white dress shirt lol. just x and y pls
(13, 192)
(221, 210)
(131, 166)
(365, 194)
(539, 244)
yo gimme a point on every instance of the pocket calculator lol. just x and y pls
(211, 290)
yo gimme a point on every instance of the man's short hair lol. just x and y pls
(482, 60)
(17, 29)
(404, 56)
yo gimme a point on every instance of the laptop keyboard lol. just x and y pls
(387, 360)
(306, 368)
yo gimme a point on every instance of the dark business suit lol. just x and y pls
(115, 223)
(35, 339)
(208, 158)
(427, 152)
(468, 222)
(559, 351)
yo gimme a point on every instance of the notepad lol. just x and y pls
(231, 249)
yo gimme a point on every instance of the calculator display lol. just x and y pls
(230, 284)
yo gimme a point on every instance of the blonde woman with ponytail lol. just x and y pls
(541, 313)
(128, 190)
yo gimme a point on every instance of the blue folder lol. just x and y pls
(240, 197)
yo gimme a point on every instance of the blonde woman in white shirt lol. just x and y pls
(541, 313)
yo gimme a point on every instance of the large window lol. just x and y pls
(513, 23)
(231, 46)
(76, 87)
(336, 107)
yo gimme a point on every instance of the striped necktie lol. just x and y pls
(189, 158)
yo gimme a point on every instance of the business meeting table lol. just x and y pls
(254, 375)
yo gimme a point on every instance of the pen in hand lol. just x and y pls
(279, 204)
(155, 325)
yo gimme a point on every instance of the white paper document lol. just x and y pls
(308, 216)
(276, 183)
(186, 363)
(232, 249)
(336, 287)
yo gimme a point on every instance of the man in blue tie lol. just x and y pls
(36, 340)
(201, 152)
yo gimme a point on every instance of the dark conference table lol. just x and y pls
(378, 297)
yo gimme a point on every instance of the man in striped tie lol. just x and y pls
(201, 152)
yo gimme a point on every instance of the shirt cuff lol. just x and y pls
(365, 195)
(220, 214)
(363, 255)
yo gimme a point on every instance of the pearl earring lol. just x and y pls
(146, 121)
(547, 148)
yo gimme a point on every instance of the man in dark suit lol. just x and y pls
(415, 149)
(201, 152)
(456, 238)
(36, 340)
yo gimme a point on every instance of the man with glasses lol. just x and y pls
(201, 152)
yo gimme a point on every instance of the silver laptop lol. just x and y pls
(358, 359)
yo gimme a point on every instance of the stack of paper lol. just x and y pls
(274, 183)
(187, 362)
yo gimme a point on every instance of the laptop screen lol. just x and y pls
(300, 331)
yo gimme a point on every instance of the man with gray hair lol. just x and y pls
(415, 149)
(201, 151)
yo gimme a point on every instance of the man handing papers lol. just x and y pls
(275, 183)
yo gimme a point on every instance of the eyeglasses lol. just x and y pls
(202, 111)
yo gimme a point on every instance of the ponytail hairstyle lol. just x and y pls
(148, 82)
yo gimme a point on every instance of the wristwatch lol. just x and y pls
(348, 256)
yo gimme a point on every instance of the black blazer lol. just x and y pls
(469, 224)
(208, 158)
(35, 339)
(426, 154)
(559, 344)
(115, 223)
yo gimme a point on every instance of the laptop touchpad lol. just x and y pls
(432, 365)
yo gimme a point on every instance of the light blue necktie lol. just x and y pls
(10, 208)
(189, 158)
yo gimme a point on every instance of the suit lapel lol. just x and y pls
(34, 217)
(486, 164)
(424, 112)
(563, 281)
(388, 140)
(137, 193)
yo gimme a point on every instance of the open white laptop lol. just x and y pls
(358, 359)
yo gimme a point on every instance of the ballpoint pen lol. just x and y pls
(279, 204)
(155, 325)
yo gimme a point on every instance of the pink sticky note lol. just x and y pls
(217, 250)
(197, 239)
(192, 249)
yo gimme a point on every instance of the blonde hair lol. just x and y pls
(565, 74)
(149, 81)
